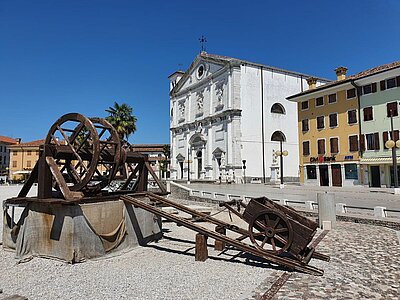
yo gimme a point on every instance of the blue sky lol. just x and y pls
(81, 56)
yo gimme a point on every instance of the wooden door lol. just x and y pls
(336, 175)
(375, 176)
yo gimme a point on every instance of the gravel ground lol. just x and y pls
(164, 270)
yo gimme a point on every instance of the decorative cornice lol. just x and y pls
(226, 114)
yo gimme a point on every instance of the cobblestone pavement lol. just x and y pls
(365, 264)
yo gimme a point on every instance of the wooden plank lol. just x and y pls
(219, 245)
(201, 252)
(45, 181)
(155, 177)
(67, 193)
(33, 177)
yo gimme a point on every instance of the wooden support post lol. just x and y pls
(44, 175)
(201, 253)
(220, 245)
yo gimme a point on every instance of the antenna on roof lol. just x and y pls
(203, 42)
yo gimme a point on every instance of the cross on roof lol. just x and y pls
(203, 42)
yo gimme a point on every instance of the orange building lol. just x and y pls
(23, 157)
(328, 122)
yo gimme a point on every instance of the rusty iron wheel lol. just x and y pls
(271, 231)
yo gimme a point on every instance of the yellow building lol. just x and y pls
(328, 122)
(23, 157)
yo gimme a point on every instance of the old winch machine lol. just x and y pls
(82, 158)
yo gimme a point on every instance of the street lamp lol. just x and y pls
(281, 153)
(391, 144)
(244, 171)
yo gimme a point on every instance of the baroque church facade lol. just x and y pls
(228, 117)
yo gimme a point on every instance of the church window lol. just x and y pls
(278, 136)
(278, 108)
(200, 71)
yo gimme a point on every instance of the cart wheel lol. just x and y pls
(78, 134)
(271, 231)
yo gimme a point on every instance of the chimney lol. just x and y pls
(341, 73)
(18, 140)
(312, 83)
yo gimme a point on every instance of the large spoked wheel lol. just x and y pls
(77, 142)
(271, 231)
(110, 155)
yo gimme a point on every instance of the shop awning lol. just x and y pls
(378, 160)
(22, 172)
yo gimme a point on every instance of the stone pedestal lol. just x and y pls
(77, 232)
(326, 208)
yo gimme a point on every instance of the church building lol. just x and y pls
(230, 117)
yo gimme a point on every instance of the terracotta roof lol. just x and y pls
(366, 73)
(36, 143)
(7, 140)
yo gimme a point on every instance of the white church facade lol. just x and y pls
(228, 113)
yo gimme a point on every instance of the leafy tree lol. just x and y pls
(122, 119)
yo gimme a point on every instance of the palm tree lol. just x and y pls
(122, 119)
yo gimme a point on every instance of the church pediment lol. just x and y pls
(198, 73)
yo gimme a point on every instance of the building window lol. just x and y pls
(14, 164)
(319, 101)
(1, 158)
(1, 148)
(320, 122)
(351, 93)
(332, 98)
(277, 108)
(311, 172)
(368, 115)
(392, 109)
(304, 125)
(321, 147)
(29, 152)
(391, 83)
(353, 142)
(334, 145)
(306, 148)
(333, 120)
(28, 164)
(369, 88)
(304, 105)
(350, 171)
(372, 141)
(385, 136)
(352, 116)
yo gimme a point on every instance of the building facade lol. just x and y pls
(227, 114)
(343, 127)
(328, 133)
(379, 98)
(23, 157)
(5, 143)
